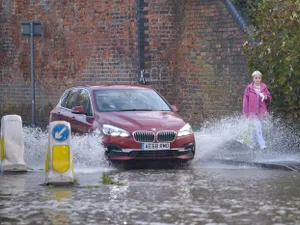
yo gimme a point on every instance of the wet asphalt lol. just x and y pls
(200, 193)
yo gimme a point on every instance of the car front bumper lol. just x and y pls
(115, 153)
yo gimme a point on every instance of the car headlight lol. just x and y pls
(185, 130)
(114, 131)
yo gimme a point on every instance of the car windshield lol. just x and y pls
(129, 100)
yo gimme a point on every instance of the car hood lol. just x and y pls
(131, 121)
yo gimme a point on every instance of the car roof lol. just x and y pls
(114, 87)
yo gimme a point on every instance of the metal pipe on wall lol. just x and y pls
(142, 42)
(237, 16)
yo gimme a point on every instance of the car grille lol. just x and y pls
(166, 136)
(143, 136)
(153, 154)
(149, 136)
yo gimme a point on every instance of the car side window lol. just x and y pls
(71, 99)
(84, 100)
(64, 98)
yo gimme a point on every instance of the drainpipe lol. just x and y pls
(142, 42)
(236, 15)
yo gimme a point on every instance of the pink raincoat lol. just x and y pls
(252, 104)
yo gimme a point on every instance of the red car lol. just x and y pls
(136, 122)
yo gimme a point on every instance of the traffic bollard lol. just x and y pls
(12, 144)
(59, 159)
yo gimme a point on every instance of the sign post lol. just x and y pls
(31, 29)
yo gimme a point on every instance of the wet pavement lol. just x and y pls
(208, 193)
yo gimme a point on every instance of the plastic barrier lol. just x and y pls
(59, 158)
(12, 144)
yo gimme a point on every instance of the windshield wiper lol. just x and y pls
(135, 110)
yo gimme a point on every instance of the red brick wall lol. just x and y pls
(195, 53)
(197, 58)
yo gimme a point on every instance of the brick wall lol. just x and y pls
(197, 58)
(195, 54)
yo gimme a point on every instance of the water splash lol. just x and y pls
(218, 140)
(215, 140)
(88, 150)
(35, 145)
(214, 135)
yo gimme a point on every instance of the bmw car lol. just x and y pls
(135, 122)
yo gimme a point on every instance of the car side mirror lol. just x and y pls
(90, 119)
(78, 110)
(174, 108)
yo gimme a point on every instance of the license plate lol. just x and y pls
(155, 146)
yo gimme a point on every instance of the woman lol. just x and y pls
(255, 99)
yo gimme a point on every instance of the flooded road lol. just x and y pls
(204, 192)
(212, 194)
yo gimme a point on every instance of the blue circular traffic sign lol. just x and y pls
(60, 132)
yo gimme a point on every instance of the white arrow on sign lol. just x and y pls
(58, 134)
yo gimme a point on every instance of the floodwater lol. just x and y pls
(207, 191)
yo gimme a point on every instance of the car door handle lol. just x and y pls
(73, 117)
